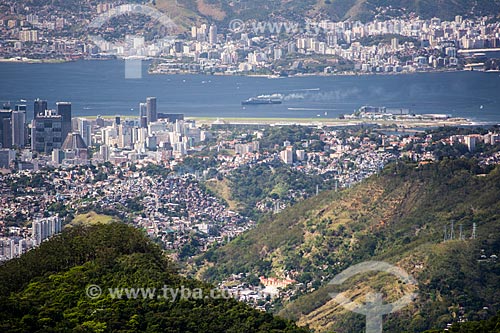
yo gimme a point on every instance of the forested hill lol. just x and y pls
(46, 289)
(399, 217)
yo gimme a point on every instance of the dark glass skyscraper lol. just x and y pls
(5, 129)
(39, 107)
(152, 113)
(18, 123)
(143, 115)
(64, 110)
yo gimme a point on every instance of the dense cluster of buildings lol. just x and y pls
(415, 45)
(273, 47)
(173, 210)
(58, 138)
(19, 240)
(156, 135)
(49, 132)
(471, 140)
(106, 161)
(41, 32)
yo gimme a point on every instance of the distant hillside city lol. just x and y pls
(271, 223)
(248, 46)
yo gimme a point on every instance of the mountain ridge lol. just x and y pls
(338, 10)
(188, 12)
(397, 217)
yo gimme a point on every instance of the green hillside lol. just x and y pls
(445, 9)
(187, 12)
(226, 10)
(398, 217)
(45, 289)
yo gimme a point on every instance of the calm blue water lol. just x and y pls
(100, 87)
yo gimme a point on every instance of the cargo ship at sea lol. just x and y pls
(264, 99)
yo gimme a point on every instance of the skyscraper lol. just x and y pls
(64, 110)
(151, 112)
(5, 129)
(18, 123)
(39, 107)
(212, 35)
(143, 115)
(46, 132)
(85, 130)
(143, 109)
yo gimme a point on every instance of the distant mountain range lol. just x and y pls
(402, 216)
(187, 12)
(225, 10)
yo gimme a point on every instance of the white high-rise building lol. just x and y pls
(287, 155)
(44, 228)
(470, 141)
(212, 34)
(104, 152)
(85, 130)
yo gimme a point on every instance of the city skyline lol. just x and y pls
(270, 166)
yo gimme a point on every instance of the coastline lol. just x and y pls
(33, 61)
(402, 124)
(318, 74)
(330, 122)
(24, 60)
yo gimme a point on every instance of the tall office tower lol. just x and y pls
(18, 123)
(85, 130)
(151, 112)
(212, 34)
(5, 129)
(143, 109)
(125, 136)
(64, 110)
(143, 115)
(46, 132)
(39, 107)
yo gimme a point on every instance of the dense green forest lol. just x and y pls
(45, 289)
(399, 217)
(252, 183)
